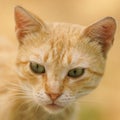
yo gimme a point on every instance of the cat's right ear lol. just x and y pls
(102, 32)
(26, 23)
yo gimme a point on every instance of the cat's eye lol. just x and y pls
(37, 68)
(76, 72)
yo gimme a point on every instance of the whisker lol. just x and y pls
(25, 104)
(93, 102)
(37, 107)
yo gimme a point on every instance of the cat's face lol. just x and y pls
(58, 63)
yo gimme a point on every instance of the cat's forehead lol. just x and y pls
(60, 51)
(56, 53)
(64, 39)
(65, 30)
(61, 38)
(64, 46)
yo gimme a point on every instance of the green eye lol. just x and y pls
(37, 68)
(76, 72)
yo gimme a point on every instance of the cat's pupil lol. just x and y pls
(37, 66)
(74, 71)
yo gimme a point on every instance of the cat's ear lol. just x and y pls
(102, 32)
(26, 23)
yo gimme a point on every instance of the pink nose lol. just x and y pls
(53, 96)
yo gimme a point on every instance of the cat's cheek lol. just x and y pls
(41, 98)
(88, 87)
(26, 74)
(23, 71)
(66, 99)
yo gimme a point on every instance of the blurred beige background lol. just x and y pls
(106, 97)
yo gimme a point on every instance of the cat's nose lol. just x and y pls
(54, 96)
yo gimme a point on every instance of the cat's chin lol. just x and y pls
(53, 108)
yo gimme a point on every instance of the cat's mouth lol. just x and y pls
(53, 106)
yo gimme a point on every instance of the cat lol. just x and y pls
(56, 64)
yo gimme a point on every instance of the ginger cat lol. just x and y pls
(57, 63)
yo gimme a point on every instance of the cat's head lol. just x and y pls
(58, 63)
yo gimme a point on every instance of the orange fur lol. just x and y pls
(59, 47)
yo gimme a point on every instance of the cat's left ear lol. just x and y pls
(27, 23)
(102, 32)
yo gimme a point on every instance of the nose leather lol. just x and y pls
(53, 96)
